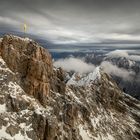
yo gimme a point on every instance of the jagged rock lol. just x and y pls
(12, 130)
(58, 81)
(32, 63)
(37, 102)
(2, 122)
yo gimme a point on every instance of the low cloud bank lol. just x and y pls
(109, 68)
(74, 64)
(80, 66)
(123, 53)
(118, 53)
(134, 57)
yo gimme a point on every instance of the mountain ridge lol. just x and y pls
(100, 111)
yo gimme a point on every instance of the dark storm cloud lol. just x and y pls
(75, 21)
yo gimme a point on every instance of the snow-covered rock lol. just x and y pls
(79, 80)
(91, 108)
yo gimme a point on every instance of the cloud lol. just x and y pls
(109, 68)
(60, 21)
(74, 64)
(117, 53)
(134, 57)
(6, 20)
(124, 53)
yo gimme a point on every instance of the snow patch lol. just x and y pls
(2, 63)
(5, 135)
(86, 80)
(23, 39)
(14, 89)
(84, 133)
(26, 127)
(95, 121)
(104, 137)
(72, 94)
(3, 108)
(131, 63)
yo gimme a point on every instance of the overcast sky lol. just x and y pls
(74, 21)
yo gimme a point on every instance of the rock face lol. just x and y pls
(37, 104)
(32, 63)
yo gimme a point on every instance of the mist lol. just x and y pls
(74, 64)
(111, 69)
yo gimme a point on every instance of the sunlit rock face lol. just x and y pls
(38, 101)
(32, 64)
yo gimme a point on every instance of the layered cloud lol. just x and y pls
(109, 68)
(124, 53)
(74, 21)
(74, 64)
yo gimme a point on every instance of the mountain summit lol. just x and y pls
(38, 103)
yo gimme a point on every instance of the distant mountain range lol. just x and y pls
(96, 57)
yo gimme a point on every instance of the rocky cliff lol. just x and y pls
(40, 102)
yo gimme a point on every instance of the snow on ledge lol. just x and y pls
(3, 108)
(0, 40)
(18, 136)
(21, 38)
(2, 63)
(84, 134)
